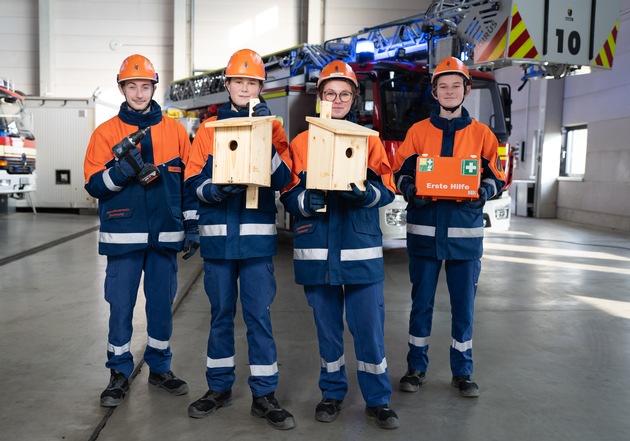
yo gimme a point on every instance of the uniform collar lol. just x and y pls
(142, 120)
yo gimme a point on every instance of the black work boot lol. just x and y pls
(467, 387)
(412, 380)
(327, 410)
(116, 390)
(169, 382)
(385, 416)
(209, 403)
(267, 407)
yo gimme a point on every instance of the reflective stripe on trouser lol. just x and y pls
(365, 314)
(122, 280)
(257, 291)
(461, 278)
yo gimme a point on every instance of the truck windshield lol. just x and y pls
(403, 97)
(15, 120)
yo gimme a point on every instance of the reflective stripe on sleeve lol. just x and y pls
(108, 181)
(376, 199)
(300, 201)
(275, 162)
(200, 189)
(171, 236)
(190, 214)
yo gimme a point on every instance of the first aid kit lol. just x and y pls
(441, 177)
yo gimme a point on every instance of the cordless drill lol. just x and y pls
(149, 172)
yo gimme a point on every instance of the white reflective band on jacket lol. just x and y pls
(134, 238)
(346, 255)
(375, 369)
(334, 366)
(426, 230)
(244, 230)
(126, 238)
(171, 236)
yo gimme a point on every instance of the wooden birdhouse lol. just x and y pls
(242, 153)
(337, 153)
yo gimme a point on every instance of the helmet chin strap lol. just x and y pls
(237, 107)
(452, 109)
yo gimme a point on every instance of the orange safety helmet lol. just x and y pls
(247, 64)
(451, 65)
(137, 67)
(337, 70)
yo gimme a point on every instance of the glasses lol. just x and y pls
(344, 97)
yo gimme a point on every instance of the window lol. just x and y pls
(573, 159)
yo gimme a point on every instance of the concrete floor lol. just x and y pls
(552, 333)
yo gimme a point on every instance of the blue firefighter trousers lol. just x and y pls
(122, 280)
(257, 290)
(461, 278)
(365, 314)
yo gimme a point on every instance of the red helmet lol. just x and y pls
(451, 65)
(137, 67)
(337, 70)
(247, 64)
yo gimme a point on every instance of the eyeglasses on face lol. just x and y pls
(344, 97)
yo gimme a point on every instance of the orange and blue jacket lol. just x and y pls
(227, 229)
(344, 244)
(133, 216)
(446, 229)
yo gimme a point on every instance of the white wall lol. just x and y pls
(19, 49)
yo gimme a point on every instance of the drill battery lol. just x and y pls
(441, 177)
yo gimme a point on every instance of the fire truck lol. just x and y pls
(393, 63)
(17, 144)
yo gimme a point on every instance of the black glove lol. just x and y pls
(355, 194)
(191, 241)
(409, 190)
(261, 109)
(483, 198)
(314, 200)
(220, 192)
(130, 164)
